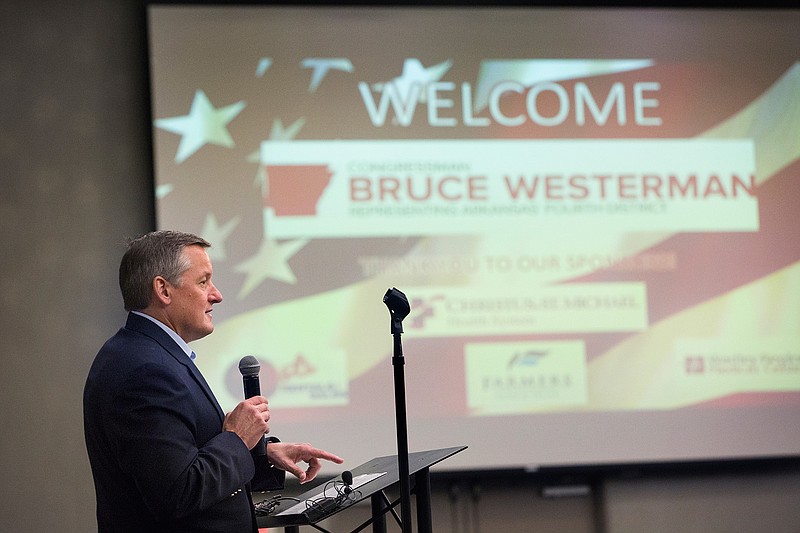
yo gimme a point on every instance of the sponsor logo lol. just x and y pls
(518, 377)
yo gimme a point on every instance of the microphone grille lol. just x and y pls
(249, 366)
(347, 477)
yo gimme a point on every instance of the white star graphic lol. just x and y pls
(163, 190)
(204, 124)
(263, 65)
(217, 235)
(271, 261)
(278, 133)
(321, 67)
(415, 74)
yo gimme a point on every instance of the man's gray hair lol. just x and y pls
(159, 253)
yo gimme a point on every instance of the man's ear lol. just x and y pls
(162, 290)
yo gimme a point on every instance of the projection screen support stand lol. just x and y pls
(398, 306)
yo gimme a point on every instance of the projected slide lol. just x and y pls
(595, 223)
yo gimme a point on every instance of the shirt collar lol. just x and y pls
(178, 340)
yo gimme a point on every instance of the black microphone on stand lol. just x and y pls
(249, 367)
(398, 306)
(397, 303)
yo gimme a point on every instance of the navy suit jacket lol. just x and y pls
(159, 457)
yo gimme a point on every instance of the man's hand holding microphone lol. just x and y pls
(250, 421)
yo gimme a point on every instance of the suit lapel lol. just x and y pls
(203, 384)
(147, 327)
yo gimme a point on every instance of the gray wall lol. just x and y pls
(75, 181)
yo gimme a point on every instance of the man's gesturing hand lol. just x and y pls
(285, 455)
(249, 419)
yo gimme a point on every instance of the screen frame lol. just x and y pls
(640, 467)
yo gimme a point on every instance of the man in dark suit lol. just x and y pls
(164, 456)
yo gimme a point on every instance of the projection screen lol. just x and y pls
(592, 212)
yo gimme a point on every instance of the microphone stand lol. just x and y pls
(398, 308)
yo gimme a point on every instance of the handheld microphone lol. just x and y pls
(249, 367)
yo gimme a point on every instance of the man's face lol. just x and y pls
(190, 308)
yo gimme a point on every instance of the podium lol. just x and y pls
(419, 470)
